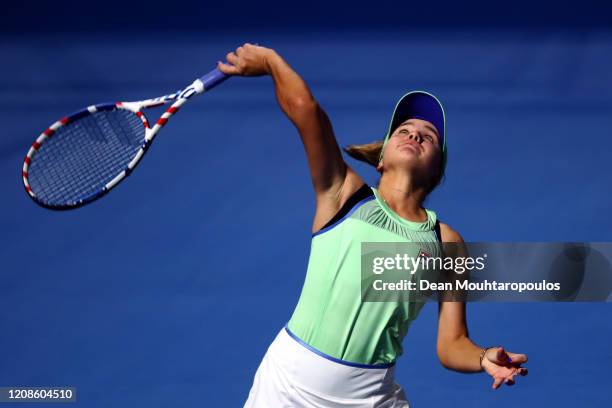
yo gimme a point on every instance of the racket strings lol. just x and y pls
(83, 156)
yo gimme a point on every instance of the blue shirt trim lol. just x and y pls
(334, 359)
(348, 214)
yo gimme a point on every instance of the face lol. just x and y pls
(414, 142)
(414, 145)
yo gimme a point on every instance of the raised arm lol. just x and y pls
(333, 180)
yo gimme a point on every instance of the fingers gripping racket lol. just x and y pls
(81, 157)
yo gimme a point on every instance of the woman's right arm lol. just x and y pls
(333, 180)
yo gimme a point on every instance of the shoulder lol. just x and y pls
(449, 235)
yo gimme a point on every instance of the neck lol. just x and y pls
(403, 195)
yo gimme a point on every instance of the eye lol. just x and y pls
(401, 132)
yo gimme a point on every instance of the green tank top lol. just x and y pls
(330, 316)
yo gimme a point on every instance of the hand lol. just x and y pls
(247, 60)
(503, 366)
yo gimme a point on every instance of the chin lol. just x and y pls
(407, 163)
(407, 155)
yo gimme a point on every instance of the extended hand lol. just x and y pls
(503, 366)
(247, 60)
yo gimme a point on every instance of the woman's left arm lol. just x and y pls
(455, 349)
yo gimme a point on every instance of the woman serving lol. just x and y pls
(337, 350)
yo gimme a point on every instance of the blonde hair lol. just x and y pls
(368, 153)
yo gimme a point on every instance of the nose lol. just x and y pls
(416, 137)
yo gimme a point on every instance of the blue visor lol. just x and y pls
(420, 105)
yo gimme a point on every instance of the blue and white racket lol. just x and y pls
(81, 157)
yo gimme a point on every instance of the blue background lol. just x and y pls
(168, 291)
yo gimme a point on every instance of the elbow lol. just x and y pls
(302, 106)
(444, 360)
(445, 355)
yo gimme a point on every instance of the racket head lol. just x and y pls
(79, 158)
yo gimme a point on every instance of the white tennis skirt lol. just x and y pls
(291, 375)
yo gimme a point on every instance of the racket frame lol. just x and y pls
(177, 99)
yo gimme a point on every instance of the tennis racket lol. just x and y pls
(81, 157)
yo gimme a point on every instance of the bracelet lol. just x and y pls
(482, 354)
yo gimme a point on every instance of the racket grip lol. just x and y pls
(213, 78)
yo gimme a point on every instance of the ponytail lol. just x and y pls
(368, 153)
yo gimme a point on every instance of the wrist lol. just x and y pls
(482, 357)
(271, 59)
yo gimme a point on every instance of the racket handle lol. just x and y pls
(213, 78)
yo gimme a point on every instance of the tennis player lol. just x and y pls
(336, 350)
